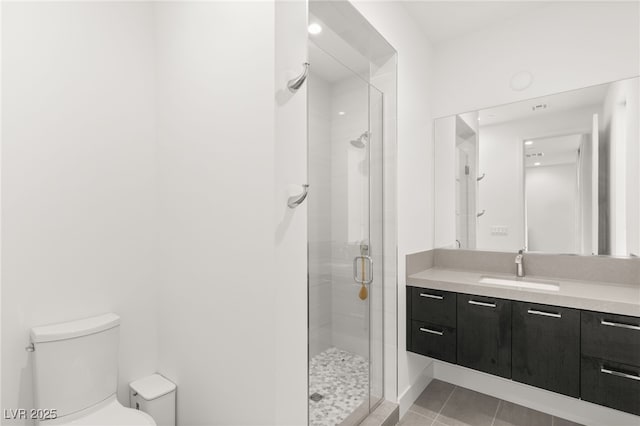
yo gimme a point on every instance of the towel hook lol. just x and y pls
(481, 213)
(294, 84)
(480, 178)
(296, 200)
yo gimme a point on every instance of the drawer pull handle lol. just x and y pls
(620, 325)
(619, 374)
(485, 304)
(544, 314)
(431, 296)
(426, 330)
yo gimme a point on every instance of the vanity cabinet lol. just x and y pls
(589, 355)
(484, 334)
(610, 363)
(546, 347)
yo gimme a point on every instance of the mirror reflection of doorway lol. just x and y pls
(558, 191)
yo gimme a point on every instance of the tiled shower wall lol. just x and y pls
(350, 320)
(337, 317)
(319, 215)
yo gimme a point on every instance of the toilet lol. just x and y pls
(75, 371)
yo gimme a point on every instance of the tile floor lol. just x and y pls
(444, 404)
(342, 378)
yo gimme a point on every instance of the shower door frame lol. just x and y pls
(378, 278)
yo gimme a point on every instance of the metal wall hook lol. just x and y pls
(481, 213)
(294, 84)
(296, 200)
(480, 178)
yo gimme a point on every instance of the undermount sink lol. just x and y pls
(522, 283)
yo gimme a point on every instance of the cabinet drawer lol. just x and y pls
(434, 341)
(611, 337)
(611, 384)
(484, 334)
(434, 306)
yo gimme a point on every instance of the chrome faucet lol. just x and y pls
(520, 264)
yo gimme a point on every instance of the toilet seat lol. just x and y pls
(110, 413)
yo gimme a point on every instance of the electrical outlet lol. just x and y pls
(499, 230)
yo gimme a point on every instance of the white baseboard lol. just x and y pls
(552, 403)
(409, 396)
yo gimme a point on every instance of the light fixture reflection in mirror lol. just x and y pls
(314, 28)
(562, 174)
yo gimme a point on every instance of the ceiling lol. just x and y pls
(330, 69)
(445, 20)
(356, 47)
(552, 151)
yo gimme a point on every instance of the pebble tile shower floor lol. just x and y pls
(342, 378)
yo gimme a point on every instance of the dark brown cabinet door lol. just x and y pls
(546, 347)
(484, 334)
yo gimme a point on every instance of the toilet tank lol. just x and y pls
(75, 364)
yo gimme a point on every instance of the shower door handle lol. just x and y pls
(367, 273)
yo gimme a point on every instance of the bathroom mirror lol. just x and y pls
(557, 174)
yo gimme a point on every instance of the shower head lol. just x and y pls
(361, 141)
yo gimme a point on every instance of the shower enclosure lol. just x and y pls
(346, 247)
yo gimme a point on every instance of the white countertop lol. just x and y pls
(589, 295)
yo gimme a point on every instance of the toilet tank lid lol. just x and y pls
(152, 387)
(71, 329)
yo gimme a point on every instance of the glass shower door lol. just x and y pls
(345, 243)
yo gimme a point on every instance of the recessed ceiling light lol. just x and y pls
(340, 112)
(536, 164)
(314, 29)
(528, 142)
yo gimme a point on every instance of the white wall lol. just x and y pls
(566, 45)
(415, 159)
(552, 208)
(78, 205)
(319, 207)
(291, 291)
(445, 188)
(217, 183)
